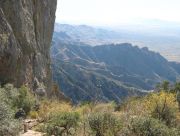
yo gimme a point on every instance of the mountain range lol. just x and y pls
(159, 36)
(107, 72)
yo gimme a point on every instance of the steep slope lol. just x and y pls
(81, 84)
(107, 72)
(26, 28)
(176, 66)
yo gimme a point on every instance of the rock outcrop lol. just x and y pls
(26, 28)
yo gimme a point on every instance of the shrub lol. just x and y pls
(8, 125)
(104, 124)
(62, 123)
(162, 106)
(9, 94)
(25, 100)
(164, 113)
(178, 99)
(33, 114)
(142, 126)
(49, 107)
(104, 107)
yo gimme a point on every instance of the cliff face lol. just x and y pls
(26, 28)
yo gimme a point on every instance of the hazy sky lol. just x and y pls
(114, 12)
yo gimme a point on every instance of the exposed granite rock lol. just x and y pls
(26, 28)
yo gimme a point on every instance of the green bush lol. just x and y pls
(163, 107)
(8, 125)
(62, 124)
(164, 113)
(10, 94)
(24, 100)
(104, 124)
(142, 126)
(18, 98)
(11, 100)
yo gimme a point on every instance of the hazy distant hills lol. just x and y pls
(163, 37)
(87, 34)
(107, 72)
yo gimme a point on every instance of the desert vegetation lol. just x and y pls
(156, 114)
(15, 105)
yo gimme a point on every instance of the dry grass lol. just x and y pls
(51, 107)
(132, 108)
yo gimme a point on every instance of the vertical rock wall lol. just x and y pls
(26, 28)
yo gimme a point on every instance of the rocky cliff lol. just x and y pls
(26, 28)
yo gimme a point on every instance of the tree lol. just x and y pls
(158, 87)
(178, 99)
(165, 85)
(177, 87)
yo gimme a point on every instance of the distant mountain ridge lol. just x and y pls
(164, 40)
(87, 34)
(108, 72)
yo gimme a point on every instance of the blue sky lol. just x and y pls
(115, 12)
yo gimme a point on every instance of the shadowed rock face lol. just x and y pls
(26, 28)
